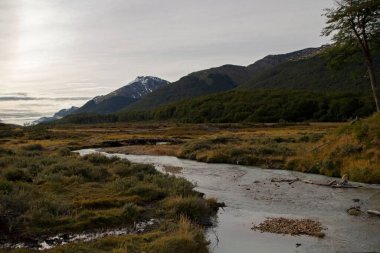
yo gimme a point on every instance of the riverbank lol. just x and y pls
(330, 149)
(326, 149)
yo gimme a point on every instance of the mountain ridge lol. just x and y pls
(123, 96)
(214, 80)
(58, 115)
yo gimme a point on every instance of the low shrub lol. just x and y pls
(187, 238)
(5, 187)
(130, 212)
(64, 152)
(6, 152)
(13, 174)
(147, 192)
(361, 131)
(191, 149)
(122, 170)
(349, 149)
(218, 157)
(366, 174)
(194, 208)
(97, 158)
(175, 186)
(33, 147)
(86, 172)
(15, 200)
(125, 169)
(148, 169)
(304, 138)
(103, 203)
(122, 185)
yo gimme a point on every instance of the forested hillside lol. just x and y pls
(312, 74)
(253, 106)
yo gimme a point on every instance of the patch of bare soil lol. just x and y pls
(291, 227)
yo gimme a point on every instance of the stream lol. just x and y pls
(251, 197)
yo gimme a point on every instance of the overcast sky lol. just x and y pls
(84, 48)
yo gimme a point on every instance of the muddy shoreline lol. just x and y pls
(52, 241)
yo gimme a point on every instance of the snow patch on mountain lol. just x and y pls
(139, 87)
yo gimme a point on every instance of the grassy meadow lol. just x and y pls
(45, 189)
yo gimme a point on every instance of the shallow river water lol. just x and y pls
(251, 197)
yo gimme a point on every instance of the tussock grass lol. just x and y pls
(44, 192)
(194, 208)
(352, 149)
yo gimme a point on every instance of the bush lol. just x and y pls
(364, 174)
(64, 152)
(5, 187)
(143, 168)
(218, 157)
(103, 203)
(331, 167)
(125, 169)
(122, 170)
(122, 185)
(187, 238)
(15, 200)
(176, 186)
(178, 244)
(349, 149)
(100, 158)
(17, 175)
(190, 149)
(33, 147)
(194, 208)
(304, 138)
(4, 151)
(147, 192)
(88, 173)
(46, 212)
(361, 131)
(130, 212)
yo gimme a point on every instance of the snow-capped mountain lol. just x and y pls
(124, 96)
(135, 89)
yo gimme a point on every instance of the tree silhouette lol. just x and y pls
(355, 24)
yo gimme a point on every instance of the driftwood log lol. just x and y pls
(374, 212)
(316, 183)
(332, 184)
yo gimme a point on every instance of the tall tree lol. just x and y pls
(355, 24)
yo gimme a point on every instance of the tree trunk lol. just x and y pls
(372, 78)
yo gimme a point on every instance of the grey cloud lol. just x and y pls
(20, 113)
(14, 94)
(20, 98)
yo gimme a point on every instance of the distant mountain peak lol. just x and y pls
(139, 87)
(129, 93)
(58, 115)
(146, 79)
